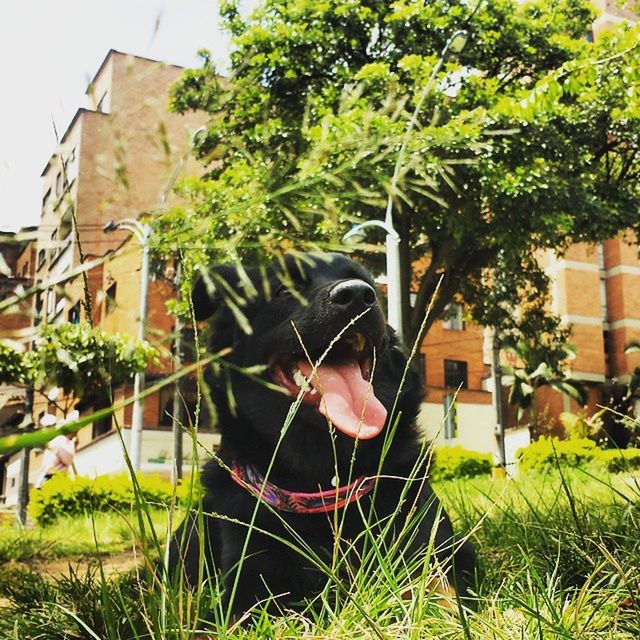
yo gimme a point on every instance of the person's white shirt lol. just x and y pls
(58, 457)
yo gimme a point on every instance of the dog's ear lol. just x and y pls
(226, 286)
(203, 299)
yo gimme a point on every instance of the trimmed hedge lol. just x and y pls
(546, 453)
(64, 496)
(456, 462)
(620, 460)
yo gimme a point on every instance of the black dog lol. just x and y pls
(330, 457)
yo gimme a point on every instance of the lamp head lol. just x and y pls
(455, 44)
(354, 236)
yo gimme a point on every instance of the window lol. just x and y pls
(55, 245)
(45, 200)
(66, 224)
(59, 183)
(74, 314)
(51, 303)
(422, 365)
(25, 269)
(110, 302)
(70, 167)
(455, 374)
(453, 319)
(103, 425)
(42, 256)
(450, 417)
(38, 313)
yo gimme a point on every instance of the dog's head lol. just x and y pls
(315, 323)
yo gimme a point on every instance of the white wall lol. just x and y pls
(476, 430)
(105, 456)
(514, 440)
(11, 480)
(476, 423)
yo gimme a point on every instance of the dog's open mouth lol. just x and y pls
(340, 387)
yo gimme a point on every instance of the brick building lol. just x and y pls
(595, 290)
(116, 160)
(17, 250)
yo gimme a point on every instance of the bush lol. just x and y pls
(456, 462)
(64, 496)
(546, 453)
(620, 460)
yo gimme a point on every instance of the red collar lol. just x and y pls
(298, 501)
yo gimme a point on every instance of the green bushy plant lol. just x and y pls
(63, 495)
(456, 462)
(546, 453)
(620, 460)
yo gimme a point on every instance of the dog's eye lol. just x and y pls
(282, 291)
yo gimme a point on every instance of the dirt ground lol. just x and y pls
(60, 567)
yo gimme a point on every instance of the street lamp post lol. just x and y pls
(454, 46)
(142, 233)
(496, 373)
(394, 300)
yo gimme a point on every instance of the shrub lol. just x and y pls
(620, 460)
(63, 495)
(457, 462)
(547, 453)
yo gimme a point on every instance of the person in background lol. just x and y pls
(58, 457)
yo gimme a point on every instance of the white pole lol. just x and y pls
(394, 299)
(138, 381)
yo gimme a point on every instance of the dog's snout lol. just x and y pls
(355, 294)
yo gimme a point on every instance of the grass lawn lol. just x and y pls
(560, 558)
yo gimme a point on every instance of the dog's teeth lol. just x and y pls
(313, 392)
(359, 342)
(298, 378)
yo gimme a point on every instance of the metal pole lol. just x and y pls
(453, 46)
(177, 418)
(497, 399)
(394, 298)
(25, 456)
(138, 381)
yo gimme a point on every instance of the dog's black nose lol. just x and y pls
(355, 294)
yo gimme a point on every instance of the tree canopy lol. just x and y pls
(527, 140)
(83, 361)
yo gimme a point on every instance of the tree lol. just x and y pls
(527, 141)
(535, 364)
(84, 362)
(634, 380)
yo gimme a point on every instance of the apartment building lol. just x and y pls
(17, 250)
(595, 290)
(117, 160)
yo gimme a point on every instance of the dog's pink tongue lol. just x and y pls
(347, 399)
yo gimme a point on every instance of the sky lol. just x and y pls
(50, 49)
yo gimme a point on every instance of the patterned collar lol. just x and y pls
(298, 501)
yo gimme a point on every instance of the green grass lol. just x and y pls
(89, 535)
(560, 556)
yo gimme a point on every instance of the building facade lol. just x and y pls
(117, 159)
